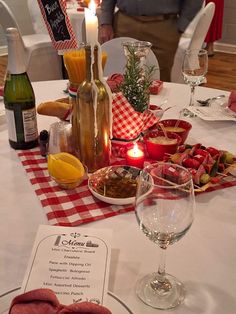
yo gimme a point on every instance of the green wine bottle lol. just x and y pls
(19, 97)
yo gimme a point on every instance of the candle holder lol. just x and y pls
(135, 156)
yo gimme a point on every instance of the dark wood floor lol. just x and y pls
(221, 72)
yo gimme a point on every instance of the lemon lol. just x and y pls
(65, 167)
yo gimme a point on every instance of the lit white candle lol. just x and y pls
(91, 22)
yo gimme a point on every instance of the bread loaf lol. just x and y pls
(58, 108)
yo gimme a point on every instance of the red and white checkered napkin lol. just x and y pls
(65, 207)
(128, 123)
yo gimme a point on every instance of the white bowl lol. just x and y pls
(127, 176)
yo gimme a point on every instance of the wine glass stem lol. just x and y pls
(192, 95)
(160, 283)
(162, 266)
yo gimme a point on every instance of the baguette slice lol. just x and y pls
(54, 108)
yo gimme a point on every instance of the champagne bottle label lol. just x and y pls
(26, 132)
(30, 124)
(11, 125)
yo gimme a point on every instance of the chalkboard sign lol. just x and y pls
(58, 24)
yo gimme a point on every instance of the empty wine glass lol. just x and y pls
(164, 209)
(194, 69)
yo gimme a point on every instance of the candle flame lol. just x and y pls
(135, 149)
(92, 6)
(106, 138)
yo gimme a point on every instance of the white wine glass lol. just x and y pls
(164, 208)
(194, 69)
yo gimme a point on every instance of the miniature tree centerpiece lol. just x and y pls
(137, 80)
(131, 101)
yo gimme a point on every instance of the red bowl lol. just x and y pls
(158, 150)
(182, 124)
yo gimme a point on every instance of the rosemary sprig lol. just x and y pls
(136, 83)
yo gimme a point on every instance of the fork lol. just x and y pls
(207, 101)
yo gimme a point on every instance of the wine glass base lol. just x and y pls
(187, 113)
(160, 299)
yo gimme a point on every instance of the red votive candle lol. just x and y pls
(135, 157)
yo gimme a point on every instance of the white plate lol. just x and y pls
(124, 171)
(224, 106)
(111, 200)
(115, 305)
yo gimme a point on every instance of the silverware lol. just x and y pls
(207, 101)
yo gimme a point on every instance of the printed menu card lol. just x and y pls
(73, 262)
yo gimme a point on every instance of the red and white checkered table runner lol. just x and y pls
(65, 207)
(78, 206)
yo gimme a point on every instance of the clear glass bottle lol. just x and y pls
(19, 97)
(91, 119)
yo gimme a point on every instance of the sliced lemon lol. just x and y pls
(65, 167)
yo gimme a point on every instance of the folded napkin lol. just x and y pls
(232, 101)
(44, 301)
(156, 87)
(128, 123)
(114, 81)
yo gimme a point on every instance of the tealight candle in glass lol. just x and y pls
(135, 156)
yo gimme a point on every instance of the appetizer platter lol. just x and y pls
(209, 166)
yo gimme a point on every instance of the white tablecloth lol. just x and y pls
(204, 259)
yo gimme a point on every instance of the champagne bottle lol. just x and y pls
(91, 116)
(19, 97)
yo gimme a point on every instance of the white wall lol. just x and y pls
(229, 26)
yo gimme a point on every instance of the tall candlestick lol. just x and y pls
(91, 22)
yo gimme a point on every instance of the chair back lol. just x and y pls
(41, 59)
(192, 25)
(202, 27)
(7, 18)
(116, 59)
(194, 42)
